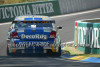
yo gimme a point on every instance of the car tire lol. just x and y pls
(59, 52)
(7, 51)
(8, 54)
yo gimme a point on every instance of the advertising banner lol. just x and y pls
(88, 36)
(9, 12)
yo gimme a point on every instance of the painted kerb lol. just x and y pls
(9, 12)
(87, 36)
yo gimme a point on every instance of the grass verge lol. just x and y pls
(72, 51)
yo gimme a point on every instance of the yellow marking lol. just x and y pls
(53, 50)
(36, 16)
(63, 48)
(11, 27)
(42, 17)
(78, 58)
(14, 50)
(23, 18)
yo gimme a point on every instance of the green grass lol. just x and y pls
(71, 50)
(3, 2)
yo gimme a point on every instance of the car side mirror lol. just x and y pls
(58, 27)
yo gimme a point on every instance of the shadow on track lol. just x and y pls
(26, 60)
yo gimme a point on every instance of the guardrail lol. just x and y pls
(9, 12)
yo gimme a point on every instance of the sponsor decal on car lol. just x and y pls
(32, 44)
(36, 36)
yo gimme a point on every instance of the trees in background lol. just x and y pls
(17, 1)
(1, 1)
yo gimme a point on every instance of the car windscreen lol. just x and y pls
(21, 24)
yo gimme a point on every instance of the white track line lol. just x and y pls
(77, 13)
(65, 43)
(5, 23)
(72, 14)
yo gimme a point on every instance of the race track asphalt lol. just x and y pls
(66, 34)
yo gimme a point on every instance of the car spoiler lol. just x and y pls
(51, 21)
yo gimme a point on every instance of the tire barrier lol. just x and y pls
(87, 36)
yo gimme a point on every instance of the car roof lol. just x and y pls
(32, 18)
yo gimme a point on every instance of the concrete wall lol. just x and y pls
(69, 6)
(48, 8)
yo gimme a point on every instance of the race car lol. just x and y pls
(33, 34)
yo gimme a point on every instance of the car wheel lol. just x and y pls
(59, 52)
(7, 51)
(50, 53)
(8, 54)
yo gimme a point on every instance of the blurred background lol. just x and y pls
(2, 2)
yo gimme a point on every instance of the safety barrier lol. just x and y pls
(87, 35)
(49, 8)
(69, 6)
(9, 12)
